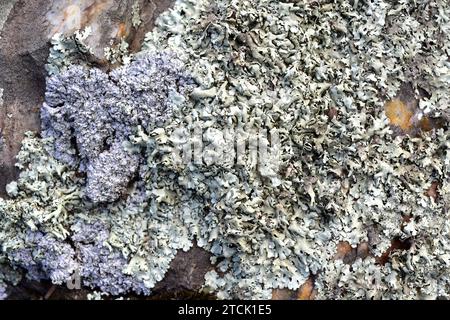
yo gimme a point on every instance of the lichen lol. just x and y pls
(68, 50)
(118, 54)
(257, 64)
(343, 177)
(9, 276)
(136, 14)
(91, 128)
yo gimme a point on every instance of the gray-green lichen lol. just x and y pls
(275, 65)
(136, 14)
(118, 54)
(284, 65)
(69, 50)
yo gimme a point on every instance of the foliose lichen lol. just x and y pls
(67, 50)
(91, 114)
(343, 175)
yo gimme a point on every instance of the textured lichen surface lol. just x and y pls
(90, 128)
(104, 192)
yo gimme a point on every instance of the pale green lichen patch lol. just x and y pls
(69, 50)
(136, 15)
(285, 65)
(118, 54)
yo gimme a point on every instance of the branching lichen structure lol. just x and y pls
(104, 190)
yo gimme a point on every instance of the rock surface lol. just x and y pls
(23, 52)
(26, 28)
